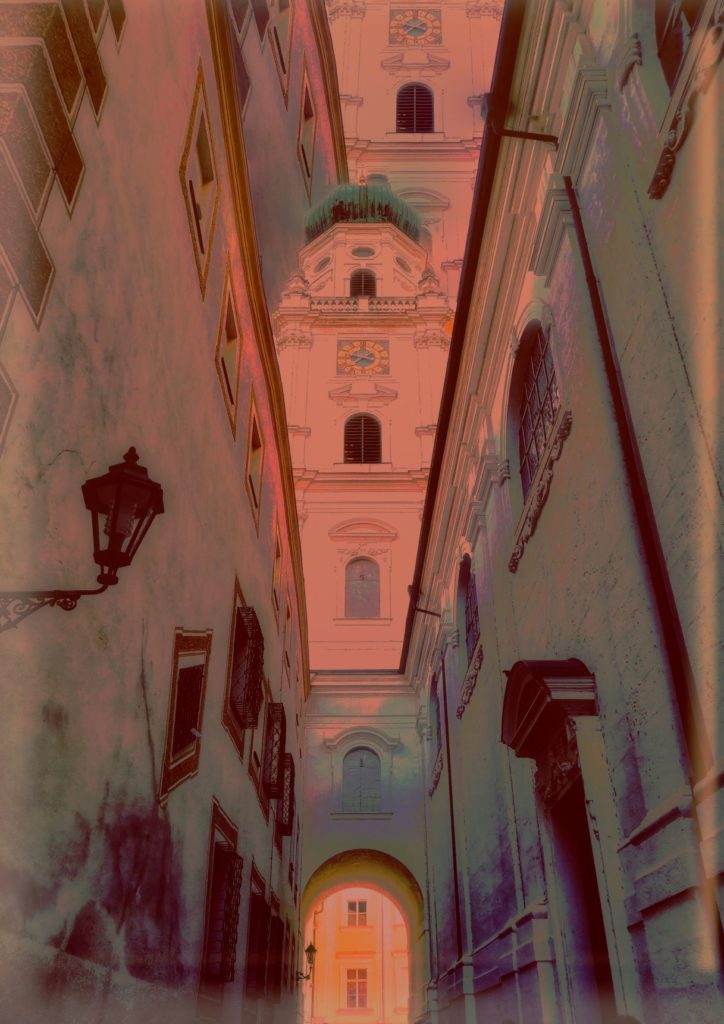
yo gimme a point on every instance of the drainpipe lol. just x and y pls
(686, 699)
(451, 806)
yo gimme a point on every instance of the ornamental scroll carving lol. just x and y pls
(559, 767)
(540, 493)
(470, 680)
(436, 773)
(631, 58)
(707, 60)
(484, 8)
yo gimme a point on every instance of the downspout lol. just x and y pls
(699, 754)
(500, 89)
(451, 806)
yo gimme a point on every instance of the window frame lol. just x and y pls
(304, 142)
(237, 730)
(229, 390)
(254, 464)
(223, 832)
(347, 604)
(414, 130)
(363, 274)
(347, 798)
(202, 234)
(348, 440)
(184, 764)
(356, 1005)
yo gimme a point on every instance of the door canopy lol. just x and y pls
(539, 695)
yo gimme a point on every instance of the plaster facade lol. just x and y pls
(134, 225)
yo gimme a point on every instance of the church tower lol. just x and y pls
(362, 334)
(363, 328)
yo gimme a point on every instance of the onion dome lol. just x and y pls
(372, 203)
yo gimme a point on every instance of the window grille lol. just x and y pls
(189, 687)
(539, 404)
(472, 619)
(223, 913)
(247, 668)
(362, 589)
(285, 819)
(274, 741)
(363, 282)
(276, 959)
(357, 988)
(361, 781)
(362, 439)
(675, 21)
(415, 108)
(257, 946)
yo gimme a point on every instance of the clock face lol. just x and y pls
(360, 358)
(413, 25)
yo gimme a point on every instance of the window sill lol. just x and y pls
(540, 486)
(362, 815)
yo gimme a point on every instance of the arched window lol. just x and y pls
(362, 439)
(361, 776)
(362, 589)
(363, 282)
(539, 402)
(415, 108)
(468, 605)
(675, 21)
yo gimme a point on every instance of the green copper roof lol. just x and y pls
(374, 203)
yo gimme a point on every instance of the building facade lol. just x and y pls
(569, 695)
(150, 847)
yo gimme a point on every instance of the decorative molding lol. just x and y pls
(589, 96)
(355, 736)
(555, 219)
(539, 494)
(432, 337)
(470, 680)
(503, 471)
(346, 9)
(366, 529)
(293, 337)
(362, 393)
(559, 767)
(706, 61)
(415, 60)
(436, 773)
(484, 9)
(631, 57)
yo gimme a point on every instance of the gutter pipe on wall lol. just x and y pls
(499, 98)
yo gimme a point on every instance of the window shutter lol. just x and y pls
(223, 919)
(286, 803)
(363, 282)
(259, 917)
(362, 439)
(274, 742)
(247, 671)
(276, 950)
(361, 781)
(188, 705)
(414, 109)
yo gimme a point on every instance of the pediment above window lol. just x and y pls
(360, 393)
(415, 60)
(362, 529)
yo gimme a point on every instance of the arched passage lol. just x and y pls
(371, 869)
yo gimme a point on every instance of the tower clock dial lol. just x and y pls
(363, 358)
(414, 25)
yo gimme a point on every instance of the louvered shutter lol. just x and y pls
(414, 109)
(223, 913)
(362, 439)
(286, 802)
(247, 670)
(361, 781)
(274, 742)
(363, 282)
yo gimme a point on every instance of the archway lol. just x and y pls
(345, 879)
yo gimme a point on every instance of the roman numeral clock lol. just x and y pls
(411, 26)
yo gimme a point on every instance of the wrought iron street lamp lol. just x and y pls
(310, 952)
(123, 503)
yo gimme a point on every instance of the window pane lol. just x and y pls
(362, 589)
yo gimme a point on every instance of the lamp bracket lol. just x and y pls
(16, 605)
